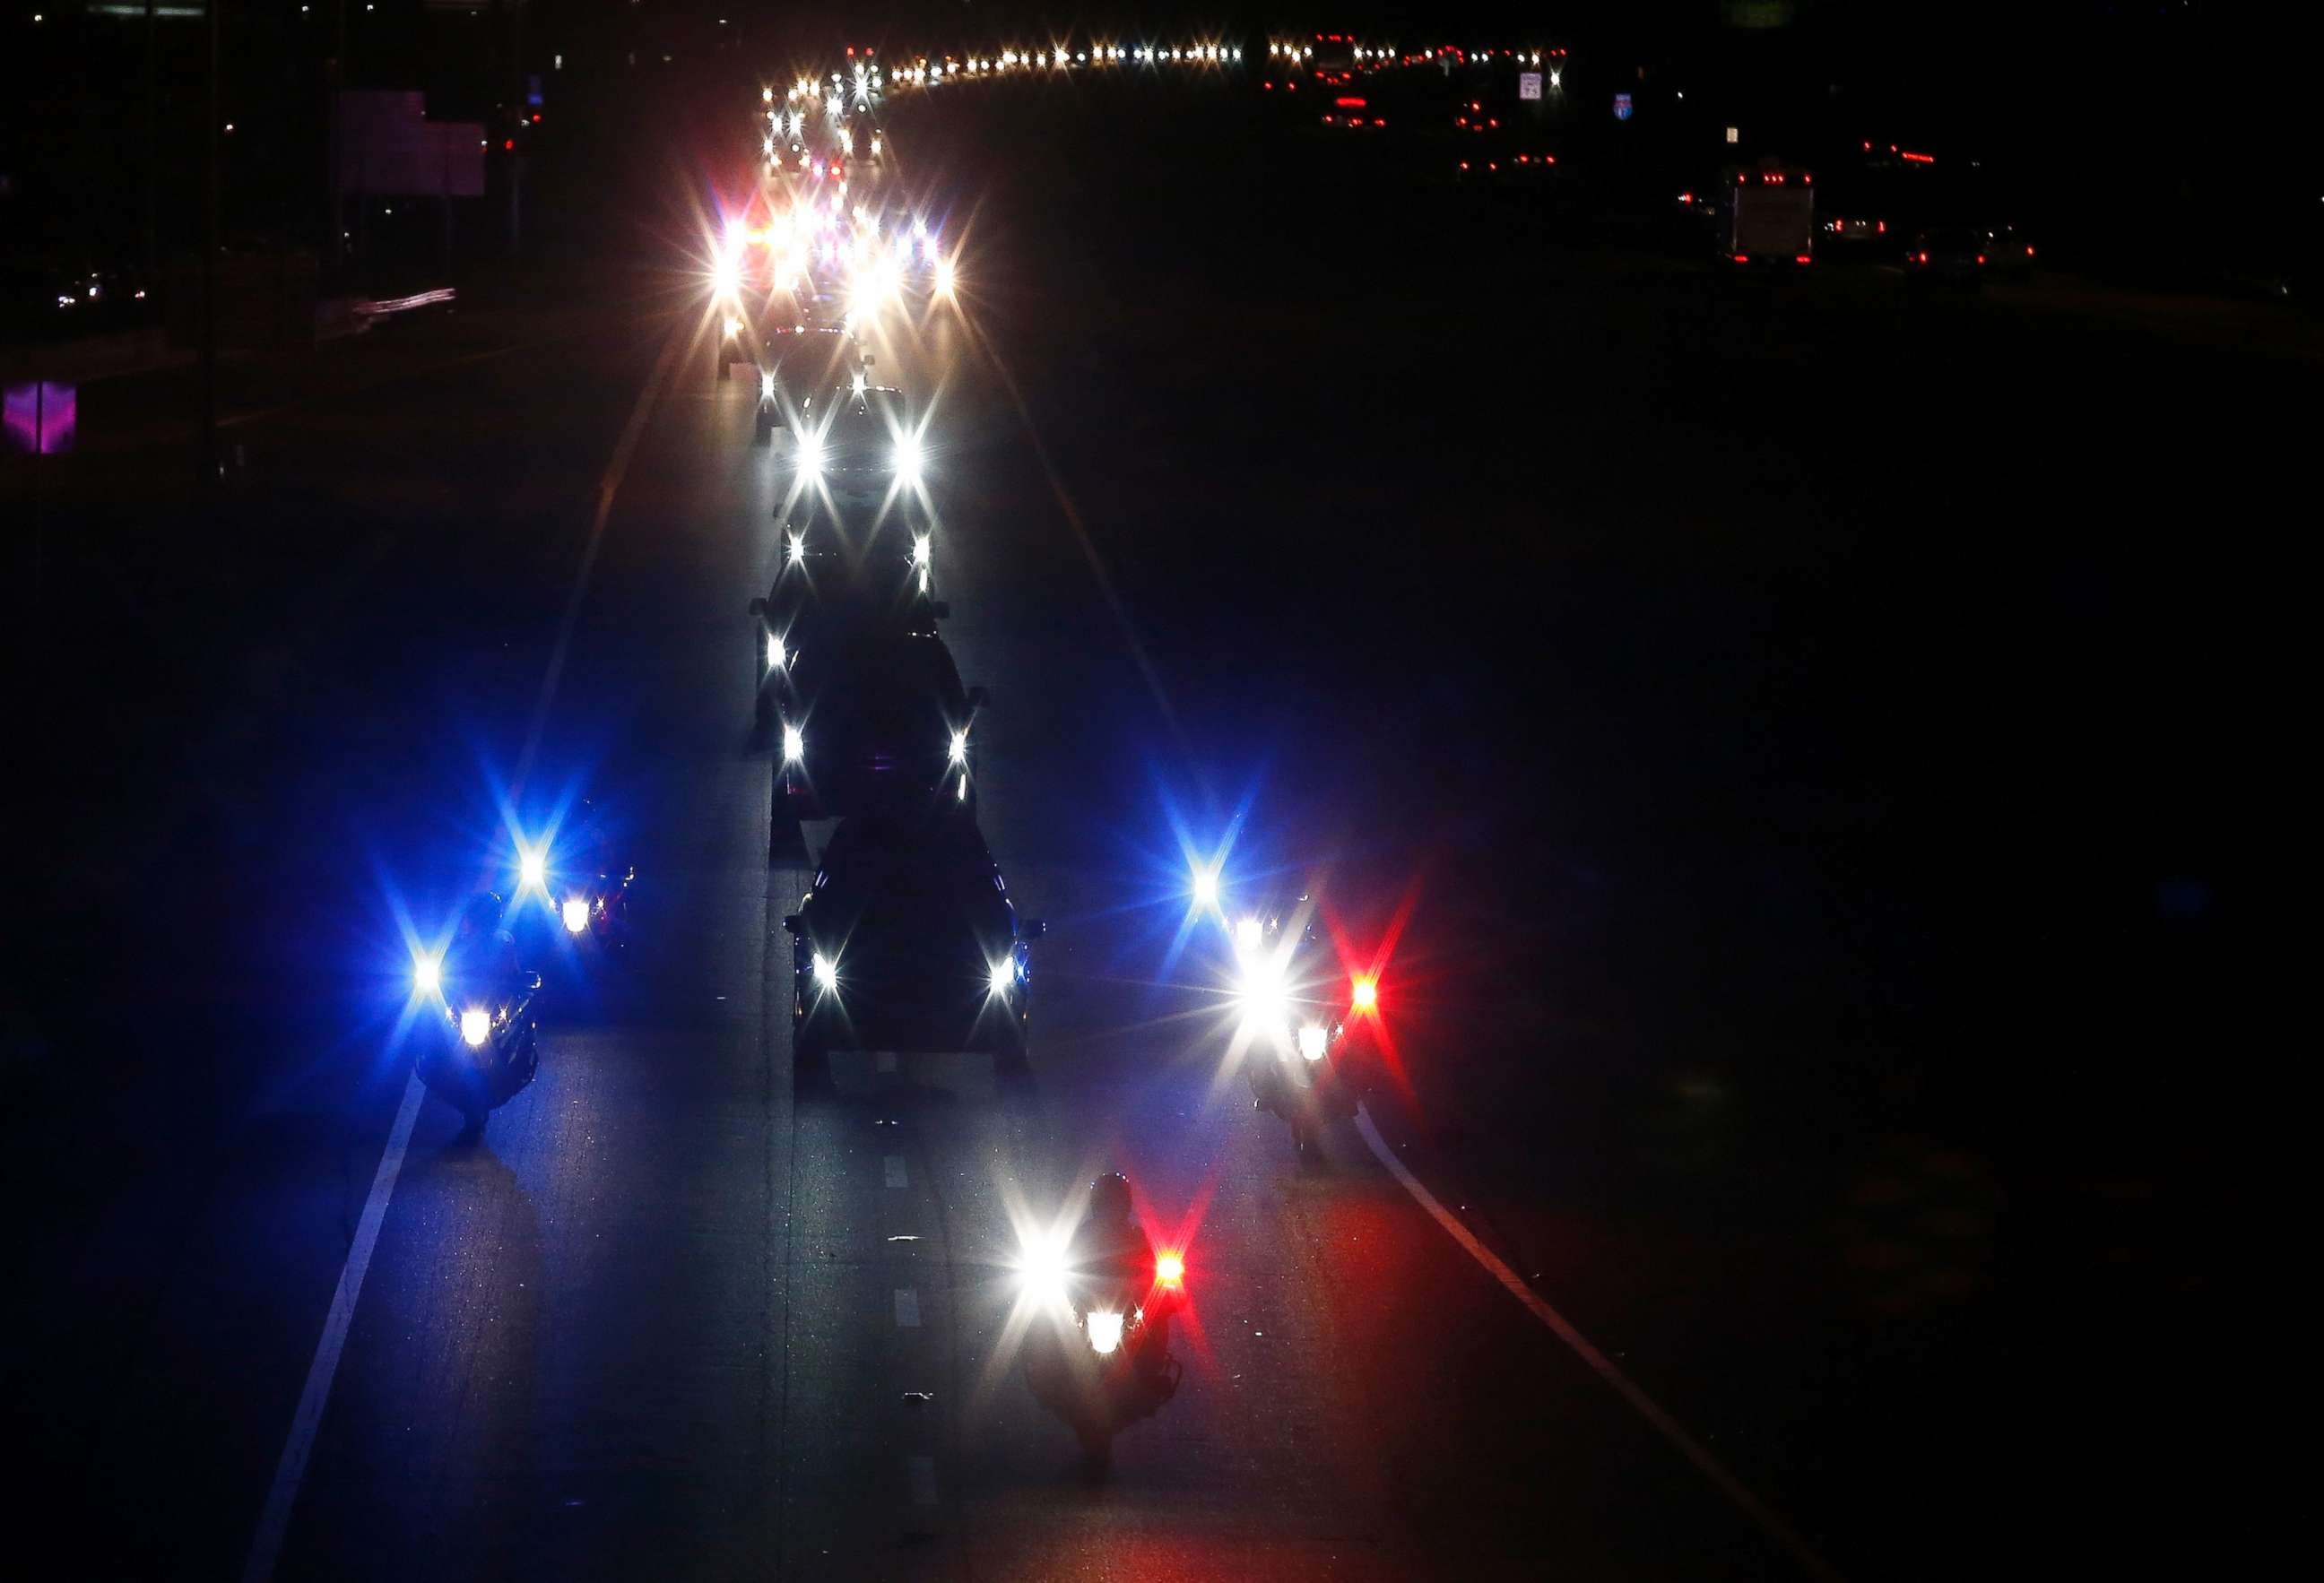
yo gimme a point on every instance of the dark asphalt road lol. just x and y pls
(1756, 691)
(652, 1324)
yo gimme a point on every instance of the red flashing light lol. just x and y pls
(1349, 102)
(1742, 258)
(508, 145)
(851, 55)
(1686, 197)
(536, 117)
(1376, 121)
(1169, 1269)
(1922, 159)
(1363, 994)
(1803, 258)
(1980, 258)
(1881, 226)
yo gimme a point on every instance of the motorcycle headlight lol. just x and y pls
(907, 459)
(794, 745)
(827, 972)
(1041, 1270)
(809, 456)
(576, 914)
(427, 975)
(958, 752)
(1314, 1041)
(1003, 977)
(1104, 1331)
(766, 387)
(776, 657)
(475, 1027)
(1266, 1002)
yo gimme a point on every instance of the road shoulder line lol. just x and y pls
(291, 1472)
(1605, 1367)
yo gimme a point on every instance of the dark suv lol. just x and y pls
(908, 941)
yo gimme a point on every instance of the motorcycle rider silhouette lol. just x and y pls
(488, 1051)
(1104, 1360)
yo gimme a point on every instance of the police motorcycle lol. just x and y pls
(484, 1048)
(1097, 1351)
(589, 885)
(1294, 1009)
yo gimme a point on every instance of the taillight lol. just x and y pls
(1742, 258)
(1802, 258)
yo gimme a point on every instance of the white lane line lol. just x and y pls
(921, 1473)
(894, 1165)
(907, 1309)
(1709, 1466)
(275, 1521)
